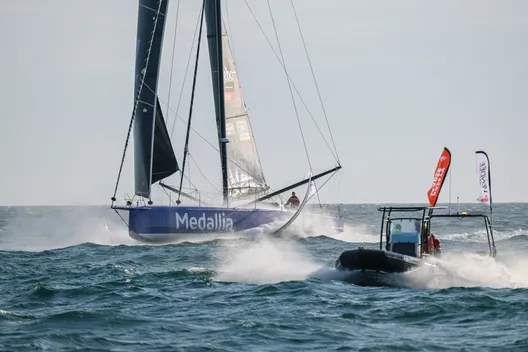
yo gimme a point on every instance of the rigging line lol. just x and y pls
(289, 86)
(169, 195)
(315, 80)
(194, 188)
(324, 183)
(318, 197)
(199, 170)
(190, 189)
(121, 218)
(189, 175)
(317, 190)
(293, 84)
(172, 60)
(229, 28)
(333, 184)
(136, 102)
(199, 135)
(186, 147)
(184, 78)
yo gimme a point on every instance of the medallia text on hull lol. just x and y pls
(180, 219)
(217, 222)
(405, 244)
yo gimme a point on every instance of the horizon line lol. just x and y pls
(328, 203)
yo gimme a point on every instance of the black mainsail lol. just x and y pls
(154, 157)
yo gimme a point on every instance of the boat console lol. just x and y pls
(404, 237)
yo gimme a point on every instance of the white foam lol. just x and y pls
(473, 270)
(263, 261)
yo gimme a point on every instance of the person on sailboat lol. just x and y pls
(293, 201)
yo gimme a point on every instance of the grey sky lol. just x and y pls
(400, 80)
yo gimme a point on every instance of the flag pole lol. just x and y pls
(449, 192)
(483, 168)
(490, 197)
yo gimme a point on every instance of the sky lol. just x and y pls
(399, 81)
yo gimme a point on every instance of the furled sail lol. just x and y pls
(245, 174)
(154, 157)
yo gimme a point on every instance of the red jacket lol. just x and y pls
(293, 200)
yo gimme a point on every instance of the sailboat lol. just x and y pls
(155, 160)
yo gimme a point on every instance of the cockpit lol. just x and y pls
(404, 236)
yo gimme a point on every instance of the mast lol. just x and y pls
(213, 17)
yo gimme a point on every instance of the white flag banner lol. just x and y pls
(484, 178)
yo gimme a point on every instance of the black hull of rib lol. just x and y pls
(375, 279)
(376, 260)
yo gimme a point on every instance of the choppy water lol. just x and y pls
(66, 283)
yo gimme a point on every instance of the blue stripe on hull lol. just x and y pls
(177, 219)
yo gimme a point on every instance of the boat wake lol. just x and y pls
(507, 270)
(306, 227)
(264, 261)
(55, 228)
(453, 270)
